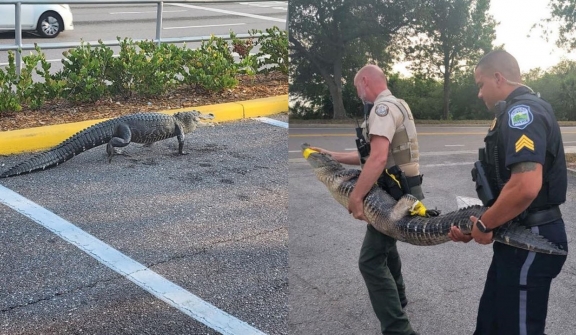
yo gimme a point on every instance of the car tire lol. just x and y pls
(50, 24)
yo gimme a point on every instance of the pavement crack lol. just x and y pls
(220, 242)
(63, 293)
(310, 285)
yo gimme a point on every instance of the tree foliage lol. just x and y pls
(328, 47)
(564, 13)
(557, 86)
(450, 37)
(326, 34)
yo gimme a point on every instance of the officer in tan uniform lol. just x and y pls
(391, 118)
(388, 154)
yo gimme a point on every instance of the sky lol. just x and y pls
(515, 18)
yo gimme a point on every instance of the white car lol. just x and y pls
(46, 20)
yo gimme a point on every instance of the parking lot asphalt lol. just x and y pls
(213, 222)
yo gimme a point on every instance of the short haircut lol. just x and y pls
(371, 71)
(500, 61)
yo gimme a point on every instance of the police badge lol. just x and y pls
(381, 110)
(520, 117)
(493, 124)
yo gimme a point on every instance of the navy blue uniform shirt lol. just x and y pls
(529, 132)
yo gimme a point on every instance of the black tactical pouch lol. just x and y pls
(394, 182)
(479, 176)
(362, 146)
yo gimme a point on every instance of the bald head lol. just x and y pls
(502, 62)
(371, 72)
(370, 81)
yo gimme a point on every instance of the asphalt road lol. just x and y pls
(444, 282)
(212, 222)
(107, 22)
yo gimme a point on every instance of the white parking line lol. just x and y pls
(229, 12)
(148, 11)
(272, 122)
(205, 26)
(263, 5)
(140, 275)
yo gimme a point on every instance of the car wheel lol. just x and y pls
(49, 25)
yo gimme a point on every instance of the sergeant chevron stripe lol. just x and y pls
(524, 142)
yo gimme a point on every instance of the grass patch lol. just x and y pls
(571, 158)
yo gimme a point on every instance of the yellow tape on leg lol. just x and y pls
(418, 209)
(307, 152)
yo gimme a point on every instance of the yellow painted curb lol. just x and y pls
(266, 106)
(42, 138)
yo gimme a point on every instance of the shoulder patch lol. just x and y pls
(381, 110)
(520, 117)
(524, 142)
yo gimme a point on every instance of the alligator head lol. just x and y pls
(191, 119)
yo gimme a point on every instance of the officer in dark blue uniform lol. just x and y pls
(525, 166)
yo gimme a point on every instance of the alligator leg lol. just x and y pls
(180, 137)
(121, 138)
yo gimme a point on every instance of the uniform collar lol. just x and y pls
(517, 92)
(385, 93)
(510, 99)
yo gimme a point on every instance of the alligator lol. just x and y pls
(394, 218)
(145, 128)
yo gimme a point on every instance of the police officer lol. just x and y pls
(526, 168)
(390, 134)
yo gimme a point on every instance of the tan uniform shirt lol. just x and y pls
(391, 117)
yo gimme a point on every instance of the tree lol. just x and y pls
(326, 34)
(423, 94)
(557, 86)
(564, 13)
(451, 37)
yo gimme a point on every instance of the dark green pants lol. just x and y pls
(381, 268)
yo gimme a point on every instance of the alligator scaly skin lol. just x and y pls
(145, 128)
(392, 217)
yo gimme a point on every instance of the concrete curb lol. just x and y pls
(42, 138)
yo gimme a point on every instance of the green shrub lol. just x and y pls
(273, 54)
(210, 67)
(8, 99)
(91, 73)
(243, 47)
(35, 93)
(85, 71)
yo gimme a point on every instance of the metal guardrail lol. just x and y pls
(160, 7)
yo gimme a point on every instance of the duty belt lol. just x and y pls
(541, 217)
(414, 181)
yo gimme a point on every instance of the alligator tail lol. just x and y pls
(521, 237)
(83, 140)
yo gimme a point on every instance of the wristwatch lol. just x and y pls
(482, 227)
